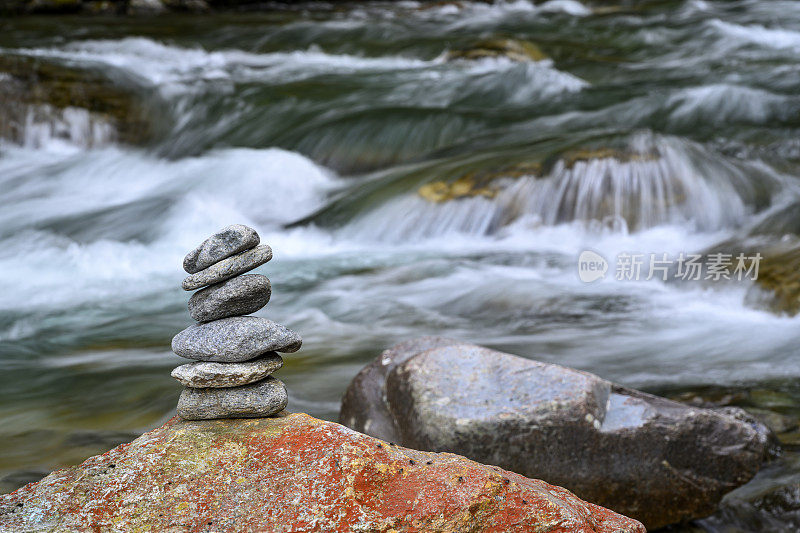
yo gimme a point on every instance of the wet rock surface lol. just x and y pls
(260, 399)
(35, 90)
(228, 268)
(230, 240)
(235, 339)
(648, 457)
(208, 374)
(512, 49)
(776, 278)
(238, 296)
(292, 473)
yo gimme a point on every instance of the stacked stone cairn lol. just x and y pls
(235, 354)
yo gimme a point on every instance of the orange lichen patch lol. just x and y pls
(291, 473)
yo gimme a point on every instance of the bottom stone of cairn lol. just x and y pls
(260, 399)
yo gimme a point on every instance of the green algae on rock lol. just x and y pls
(292, 473)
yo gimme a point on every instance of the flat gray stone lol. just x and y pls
(237, 296)
(235, 339)
(260, 399)
(224, 243)
(207, 374)
(228, 268)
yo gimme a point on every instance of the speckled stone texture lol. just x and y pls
(224, 243)
(235, 339)
(238, 296)
(292, 473)
(263, 398)
(207, 374)
(656, 460)
(228, 268)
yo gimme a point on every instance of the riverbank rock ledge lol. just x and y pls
(292, 473)
(650, 458)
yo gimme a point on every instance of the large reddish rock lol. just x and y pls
(291, 473)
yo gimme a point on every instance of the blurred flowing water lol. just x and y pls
(662, 127)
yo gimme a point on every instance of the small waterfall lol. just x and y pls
(653, 181)
(42, 125)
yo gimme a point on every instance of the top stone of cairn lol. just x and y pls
(225, 243)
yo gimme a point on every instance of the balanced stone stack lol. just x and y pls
(235, 354)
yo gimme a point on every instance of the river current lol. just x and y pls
(406, 190)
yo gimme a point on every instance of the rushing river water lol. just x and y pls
(667, 127)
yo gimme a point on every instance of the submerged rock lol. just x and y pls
(484, 182)
(779, 273)
(777, 277)
(208, 374)
(513, 49)
(647, 457)
(68, 101)
(292, 473)
(464, 187)
(228, 241)
(145, 7)
(257, 400)
(582, 155)
(238, 296)
(228, 268)
(235, 339)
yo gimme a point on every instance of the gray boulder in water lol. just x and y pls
(647, 457)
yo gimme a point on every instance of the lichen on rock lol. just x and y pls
(292, 473)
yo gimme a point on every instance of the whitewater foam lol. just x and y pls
(776, 38)
(662, 181)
